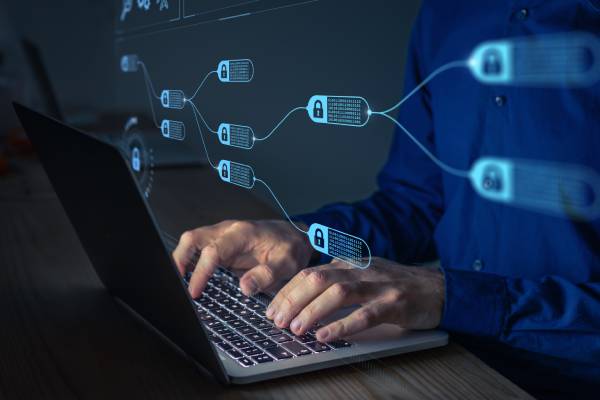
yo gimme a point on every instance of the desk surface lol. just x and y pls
(62, 336)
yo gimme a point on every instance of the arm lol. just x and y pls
(398, 220)
(552, 316)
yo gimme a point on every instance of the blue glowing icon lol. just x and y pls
(143, 4)
(339, 110)
(173, 99)
(236, 174)
(174, 130)
(129, 63)
(552, 188)
(340, 245)
(136, 159)
(566, 59)
(238, 136)
(127, 6)
(236, 71)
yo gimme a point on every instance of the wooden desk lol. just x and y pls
(62, 336)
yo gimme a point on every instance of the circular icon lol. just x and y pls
(139, 157)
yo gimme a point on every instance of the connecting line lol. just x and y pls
(150, 91)
(201, 116)
(443, 68)
(203, 142)
(281, 206)
(201, 84)
(279, 124)
(451, 170)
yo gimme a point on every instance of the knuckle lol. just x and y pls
(268, 274)
(365, 316)
(241, 226)
(396, 295)
(305, 273)
(340, 290)
(187, 237)
(288, 301)
(317, 277)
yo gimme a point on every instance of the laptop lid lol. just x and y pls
(118, 232)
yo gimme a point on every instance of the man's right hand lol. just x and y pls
(269, 252)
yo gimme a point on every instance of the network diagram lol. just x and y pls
(570, 59)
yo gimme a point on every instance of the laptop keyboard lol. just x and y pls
(238, 326)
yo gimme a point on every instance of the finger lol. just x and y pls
(366, 317)
(262, 277)
(337, 296)
(215, 254)
(296, 280)
(189, 245)
(303, 289)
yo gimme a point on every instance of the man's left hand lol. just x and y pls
(410, 297)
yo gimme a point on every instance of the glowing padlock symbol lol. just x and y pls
(319, 238)
(224, 135)
(136, 161)
(223, 71)
(318, 109)
(225, 171)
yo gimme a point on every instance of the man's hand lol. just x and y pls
(270, 251)
(411, 297)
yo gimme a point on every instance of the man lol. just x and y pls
(519, 288)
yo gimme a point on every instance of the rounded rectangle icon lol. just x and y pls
(339, 110)
(236, 136)
(172, 99)
(129, 63)
(236, 71)
(564, 190)
(237, 174)
(565, 59)
(174, 130)
(339, 245)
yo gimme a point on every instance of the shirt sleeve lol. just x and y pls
(399, 219)
(552, 316)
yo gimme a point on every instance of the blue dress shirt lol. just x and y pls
(522, 288)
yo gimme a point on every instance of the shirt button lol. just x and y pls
(478, 265)
(500, 101)
(522, 14)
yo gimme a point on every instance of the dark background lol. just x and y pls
(327, 47)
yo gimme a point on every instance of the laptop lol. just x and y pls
(224, 332)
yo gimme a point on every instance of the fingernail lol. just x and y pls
(296, 325)
(279, 319)
(323, 335)
(270, 312)
(252, 287)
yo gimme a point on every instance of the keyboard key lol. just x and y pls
(253, 318)
(240, 344)
(317, 347)
(255, 337)
(206, 317)
(231, 337)
(244, 313)
(281, 338)
(338, 344)
(255, 306)
(297, 349)
(222, 330)
(224, 346)
(246, 362)
(234, 306)
(237, 324)
(246, 330)
(263, 325)
(265, 344)
(234, 353)
(211, 306)
(214, 324)
(307, 337)
(214, 338)
(226, 301)
(263, 358)
(252, 351)
(279, 353)
(272, 331)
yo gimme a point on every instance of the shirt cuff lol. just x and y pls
(475, 303)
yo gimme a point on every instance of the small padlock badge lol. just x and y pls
(223, 71)
(225, 171)
(165, 98)
(318, 111)
(319, 238)
(224, 135)
(136, 162)
(492, 63)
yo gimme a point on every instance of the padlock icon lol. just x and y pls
(318, 111)
(492, 64)
(136, 161)
(165, 98)
(224, 135)
(223, 71)
(225, 171)
(319, 238)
